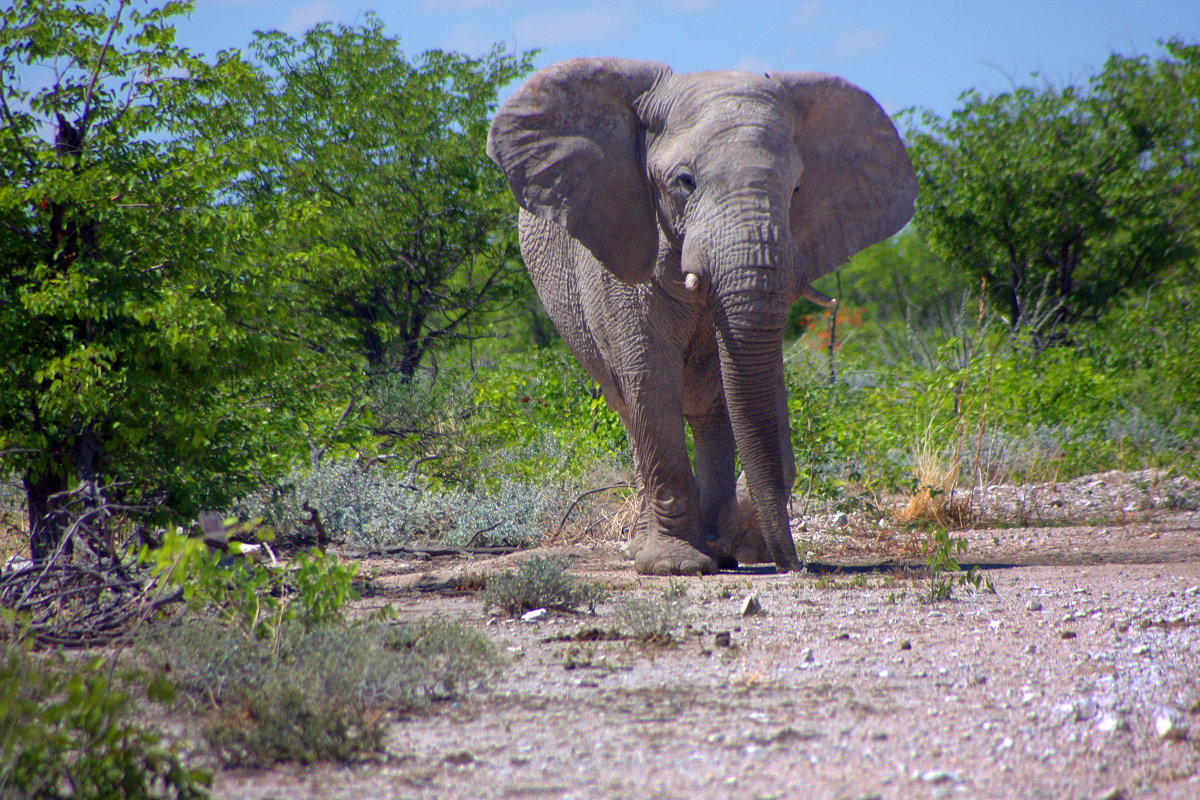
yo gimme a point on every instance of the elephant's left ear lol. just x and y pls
(858, 185)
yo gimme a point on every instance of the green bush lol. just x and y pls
(540, 583)
(650, 621)
(320, 693)
(251, 596)
(64, 732)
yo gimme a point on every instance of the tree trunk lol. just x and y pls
(45, 497)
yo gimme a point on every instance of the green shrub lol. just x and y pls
(64, 732)
(941, 558)
(253, 597)
(321, 693)
(371, 507)
(650, 621)
(540, 583)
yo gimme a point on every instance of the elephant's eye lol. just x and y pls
(685, 182)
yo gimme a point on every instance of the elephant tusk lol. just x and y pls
(691, 282)
(813, 296)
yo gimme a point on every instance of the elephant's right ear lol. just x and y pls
(569, 142)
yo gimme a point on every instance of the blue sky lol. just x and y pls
(916, 53)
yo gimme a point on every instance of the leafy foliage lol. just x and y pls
(248, 595)
(64, 732)
(1063, 199)
(138, 312)
(321, 693)
(942, 558)
(414, 240)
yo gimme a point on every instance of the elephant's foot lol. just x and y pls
(667, 555)
(739, 537)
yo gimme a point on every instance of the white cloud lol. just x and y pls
(303, 17)
(806, 12)
(858, 42)
(579, 27)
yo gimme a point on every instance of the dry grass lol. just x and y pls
(935, 501)
(602, 516)
(14, 534)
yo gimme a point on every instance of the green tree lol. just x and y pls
(140, 316)
(1063, 199)
(415, 235)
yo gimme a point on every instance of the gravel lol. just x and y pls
(853, 686)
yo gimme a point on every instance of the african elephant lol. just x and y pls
(669, 222)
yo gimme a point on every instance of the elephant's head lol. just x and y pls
(759, 184)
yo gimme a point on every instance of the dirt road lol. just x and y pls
(1078, 678)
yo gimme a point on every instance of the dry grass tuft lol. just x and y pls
(600, 516)
(935, 500)
(14, 534)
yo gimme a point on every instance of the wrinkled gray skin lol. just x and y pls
(631, 179)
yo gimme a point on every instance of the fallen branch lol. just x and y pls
(570, 508)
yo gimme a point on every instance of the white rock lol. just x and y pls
(806, 655)
(751, 605)
(1112, 723)
(1171, 724)
(534, 616)
(938, 776)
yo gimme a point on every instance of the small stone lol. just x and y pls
(723, 639)
(534, 616)
(1170, 724)
(1142, 650)
(840, 518)
(906, 645)
(460, 757)
(1115, 793)
(751, 605)
(937, 776)
(806, 655)
(1112, 723)
(1065, 634)
(1034, 605)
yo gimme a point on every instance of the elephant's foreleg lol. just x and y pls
(668, 537)
(716, 476)
(739, 535)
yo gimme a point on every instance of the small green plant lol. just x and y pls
(64, 732)
(540, 583)
(940, 559)
(252, 596)
(676, 590)
(650, 621)
(832, 583)
(323, 587)
(320, 693)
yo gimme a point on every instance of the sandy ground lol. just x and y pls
(1078, 678)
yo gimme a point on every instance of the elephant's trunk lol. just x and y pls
(749, 326)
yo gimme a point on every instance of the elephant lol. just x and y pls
(668, 222)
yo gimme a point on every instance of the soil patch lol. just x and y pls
(849, 685)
